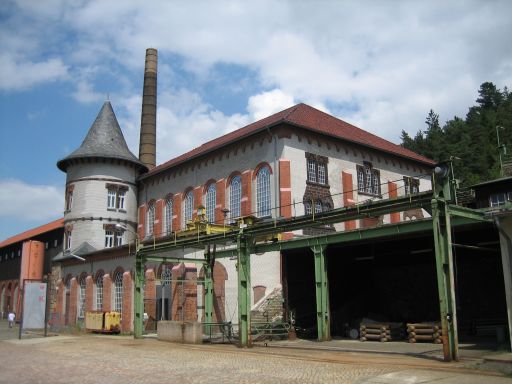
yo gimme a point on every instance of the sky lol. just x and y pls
(380, 65)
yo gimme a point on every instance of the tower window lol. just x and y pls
(116, 196)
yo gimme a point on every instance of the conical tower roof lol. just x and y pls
(104, 140)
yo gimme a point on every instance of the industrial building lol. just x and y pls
(298, 218)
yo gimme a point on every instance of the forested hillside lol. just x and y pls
(472, 141)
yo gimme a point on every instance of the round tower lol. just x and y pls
(101, 190)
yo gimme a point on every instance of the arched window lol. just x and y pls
(188, 208)
(81, 297)
(168, 215)
(318, 206)
(235, 197)
(211, 199)
(99, 292)
(118, 292)
(150, 219)
(263, 192)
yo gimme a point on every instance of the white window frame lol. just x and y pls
(99, 293)
(211, 202)
(168, 212)
(118, 293)
(68, 239)
(368, 180)
(121, 197)
(81, 297)
(109, 238)
(312, 171)
(111, 198)
(150, 220)
(235, 197)
(263, 194)
(188, 207)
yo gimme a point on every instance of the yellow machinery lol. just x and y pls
(103, 322)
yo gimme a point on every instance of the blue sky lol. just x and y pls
(379, 65)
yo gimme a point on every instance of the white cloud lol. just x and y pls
(268, 103)
(27, 202)
(22, 74)
(382, 65)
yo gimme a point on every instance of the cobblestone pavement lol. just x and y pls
(121, 359)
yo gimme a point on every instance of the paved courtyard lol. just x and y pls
(121, 359)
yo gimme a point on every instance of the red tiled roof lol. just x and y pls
(33, 232)
(306, 117)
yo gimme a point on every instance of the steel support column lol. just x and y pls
(139, 296)
(322, 294)
(208, 293)
(244, 294)
(445, 278)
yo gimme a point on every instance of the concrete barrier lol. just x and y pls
(180, 332)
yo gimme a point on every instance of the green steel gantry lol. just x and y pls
(240, 242)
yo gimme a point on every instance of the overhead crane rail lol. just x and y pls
(200, 233)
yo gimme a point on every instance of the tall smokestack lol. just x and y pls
(147, 143)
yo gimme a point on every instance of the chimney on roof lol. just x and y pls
(147, 143)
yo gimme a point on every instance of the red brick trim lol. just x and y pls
(246, 201)
(159, 208)
(89, 293)
(259, 166)
(285, 188)
(348, 197)
(393, 193)
(126, 319)
(221, 201)
(107, 292)
(198, 200)
(141, 228)
(176, 207)
(73, 302)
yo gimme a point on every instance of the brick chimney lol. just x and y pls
(147, 143)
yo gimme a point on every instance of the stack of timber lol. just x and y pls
(381, 331)
(431, 332)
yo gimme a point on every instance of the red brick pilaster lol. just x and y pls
(141, 228)
(177, 273)
(89, 293)
(392, 190)
(73, 301)
(220, 201)
(198, 200)
(59, 307)
(190, 287)
(176, 207)
(150, 295)
(285, 188)
(107, 293)
(348, 197)
(159, 207)
(246, 203)
(126, 320)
